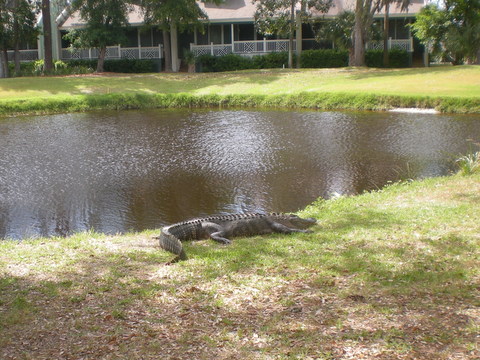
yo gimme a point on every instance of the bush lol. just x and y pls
(326, 58)
(274, 60)
(397, 58)
(310, 59)
(232, 62)
(85, 66)
(130, 66)
(120, 65)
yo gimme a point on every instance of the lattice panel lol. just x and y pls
(249, 47)
(130, 53)
(150, 53)
(112, 52)
(221, 51)
(200, 51)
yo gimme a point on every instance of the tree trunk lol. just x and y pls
(16, 30)
(290, 38)
(299, 35)
(359, 43)
(101, 59)
(351, 56)
(47, 35)
(3, 64)
(174, 47)
(166, 50)
(385, 34)
(16, 57)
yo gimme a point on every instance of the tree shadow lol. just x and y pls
(379, 73)
(282, 295)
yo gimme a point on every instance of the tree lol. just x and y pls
(340, 31)
(5, 35)
(17, 23)
(364, 10)
(47, 35)
(105, 26)
(24, 27)
(451, 32)
(403, 4)
(279, 17)
(172, 16)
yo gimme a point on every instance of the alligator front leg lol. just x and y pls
(216, 232)
(219, 238)
(280, 228)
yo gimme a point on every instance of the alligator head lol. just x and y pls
(295, 221)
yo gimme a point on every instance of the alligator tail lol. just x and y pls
(171, 244)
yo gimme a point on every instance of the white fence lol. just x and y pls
(267, 46)
(242, 47)
(403, 44)
(25, 55)
(114, 52)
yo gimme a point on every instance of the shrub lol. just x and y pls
(374, 58)
(130, 66)
(469, 164)
(275, 60)
(397, 58)
(325, 58)
(232, 62)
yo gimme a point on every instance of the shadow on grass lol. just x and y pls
(299, 295)
(379, 73)
(130, 305)
(131, 84)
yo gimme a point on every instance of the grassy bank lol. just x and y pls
(386, 275)
(448, 89)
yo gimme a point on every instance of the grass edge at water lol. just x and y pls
(303, 100)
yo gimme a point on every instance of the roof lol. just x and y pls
(236, 11)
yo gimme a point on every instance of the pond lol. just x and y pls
(134, 170)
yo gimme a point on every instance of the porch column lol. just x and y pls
(298, 34)
(174, 45)
(139, 42)
(232, 35)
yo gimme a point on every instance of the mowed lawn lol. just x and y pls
(441, 81)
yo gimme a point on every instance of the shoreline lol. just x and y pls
(302, 100)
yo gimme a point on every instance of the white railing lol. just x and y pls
(212, 49)
(115, 52)
(241, 47)
(25, 55)
(403, 44)
(267, 46)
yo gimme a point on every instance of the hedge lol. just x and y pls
(324, 58)
(83, 66)
(397, 58)
(310, 59)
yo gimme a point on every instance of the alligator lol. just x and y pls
(222, 227)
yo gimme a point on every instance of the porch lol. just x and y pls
(261, 47)
(114, 52)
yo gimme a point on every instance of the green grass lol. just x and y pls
(388, 274)
(447, 88)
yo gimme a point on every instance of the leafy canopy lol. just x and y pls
(451, 32)
(105, 23)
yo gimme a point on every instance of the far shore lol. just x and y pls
(441, 89)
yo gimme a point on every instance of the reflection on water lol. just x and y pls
(120, 171)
